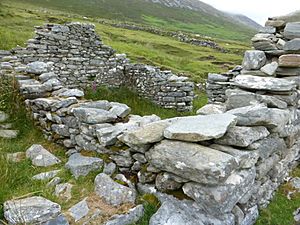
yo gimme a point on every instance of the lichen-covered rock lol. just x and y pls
(254, 60)
(112, 192)
(222, 198)
(243, 136)
(79, 210)
(291, 30)
(32, 210)
(200, 128)
(39, 156)
(264, 83)
(82, 165)
(94, 116)
(37, 68)
(63, 191)
(46, 175)
(192, 161)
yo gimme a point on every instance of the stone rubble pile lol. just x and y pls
(81, 60)
(227, 161)
(194, 39)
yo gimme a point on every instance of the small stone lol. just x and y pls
(8, 134)
(112, 192)
(55, 181)
(132, 217)
(254, 60)
(3, 117)
(46, 175)
(32, 210)
(81, 165)
(80, 210)
(296, 183)
(270, 68)
(119, 109)
(64, 191)
(72, 93)
(211, 109)
(37, 68)
(40, 156)
(110, 168)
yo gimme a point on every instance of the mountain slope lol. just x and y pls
(199, 6)
(292, 17)
(192, 16)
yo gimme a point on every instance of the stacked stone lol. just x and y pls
(193, 39)
(80, 60)
(163, 87)
(217, 84)
(78, 54)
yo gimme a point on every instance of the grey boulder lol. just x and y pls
(32, 210)
(40, 156)
(112, 192)
(254, 60)
(211, 109)
(79, 210)
(192, 161)
(82, 165)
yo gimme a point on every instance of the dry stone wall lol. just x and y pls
(227, 161)
(80, 59)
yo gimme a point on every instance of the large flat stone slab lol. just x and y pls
(292, 30)
(264, 83)
(200, 128)
(192, 161)
(32, 210)
(293, 45)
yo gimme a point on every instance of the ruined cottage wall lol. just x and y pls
(80, 59)
(229, 160)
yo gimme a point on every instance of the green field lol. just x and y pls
(206, 22)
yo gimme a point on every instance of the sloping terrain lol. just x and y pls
(205, 20)
(292, 17)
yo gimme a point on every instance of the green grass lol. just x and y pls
(140, 11)
(280, 211)
(16, 26)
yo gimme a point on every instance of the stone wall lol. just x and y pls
(227, 161)
(193, 39)
(80, 59)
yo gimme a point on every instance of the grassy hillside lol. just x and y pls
(16, 27)
(140, 11)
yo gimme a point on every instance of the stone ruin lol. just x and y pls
(80, 59)
(226, 162)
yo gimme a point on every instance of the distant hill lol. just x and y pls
(292, 17)
(186, 15)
